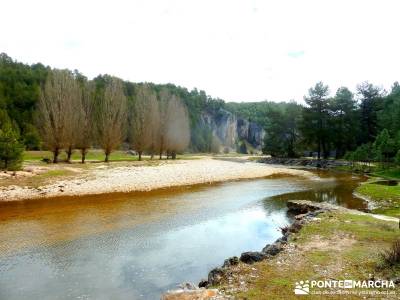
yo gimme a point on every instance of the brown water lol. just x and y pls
(136, 246)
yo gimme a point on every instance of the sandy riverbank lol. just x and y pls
(131, 178)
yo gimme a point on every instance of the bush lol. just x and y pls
(397, 158)
(11, 150)
(243, 148)
(31, 138)
(391, 257)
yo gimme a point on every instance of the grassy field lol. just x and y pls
(337, 246)
(392, 173)
(93, 155)
(119, 155)
(386, 198)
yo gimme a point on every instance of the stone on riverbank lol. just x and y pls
(252, 257)
(196, 294)
(215, 276)
(299, 207)
(232, 261)
(273, 249)
(302, 162)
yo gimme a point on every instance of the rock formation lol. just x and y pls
(230, 129)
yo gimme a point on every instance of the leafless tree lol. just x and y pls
(111, 116)
(164, 98)
(177, 135)
(71, 115)
(140, 119)
(54, 106)
(154, 126)
(85, 119)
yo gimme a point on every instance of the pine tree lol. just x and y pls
(11, 150)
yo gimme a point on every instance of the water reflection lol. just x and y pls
(135, 246)
(334, 188)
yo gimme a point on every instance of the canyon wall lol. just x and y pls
(232, 130)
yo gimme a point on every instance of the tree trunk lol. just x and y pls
(140, 155)
(83, 152)
(107, 157)
(173, 155)
(160, 155)
(69, 154)
(319, 149)
(56, 152)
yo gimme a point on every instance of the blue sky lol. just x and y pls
(234, 50)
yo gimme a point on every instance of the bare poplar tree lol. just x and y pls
(177, 136)
(85, 119)
(53, 105)
(154, 126)
(71, 115)
(164, 98)
(140, 131)
(111, 116)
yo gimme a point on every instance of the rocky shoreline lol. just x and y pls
(304, 162)
(303, 212)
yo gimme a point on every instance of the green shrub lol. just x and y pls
(11, 150)
(391, 257)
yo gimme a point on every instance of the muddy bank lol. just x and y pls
(122, 179)
(302, 162)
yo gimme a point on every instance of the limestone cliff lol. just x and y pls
(230, 129)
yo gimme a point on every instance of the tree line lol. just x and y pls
(20, 86)
(108, 111)
(74, 113)
(342, 125)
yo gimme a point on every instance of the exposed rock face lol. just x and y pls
(230, 129)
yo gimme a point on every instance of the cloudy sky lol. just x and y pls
(236, 50)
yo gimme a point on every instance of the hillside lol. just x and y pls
(215, 126)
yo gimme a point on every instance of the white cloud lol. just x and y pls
(235, 50)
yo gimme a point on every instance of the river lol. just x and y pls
(135, 246)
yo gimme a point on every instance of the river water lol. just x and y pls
(135, 246)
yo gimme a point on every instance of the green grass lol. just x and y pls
(380, 192)
(119, 155)
(92, 155)
(393, 173)
(349, 249)
(53, 173)
(386, 198)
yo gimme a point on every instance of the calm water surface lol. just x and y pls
(139, 245)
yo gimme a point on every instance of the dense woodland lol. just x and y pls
(61, 110)
(364, 126)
